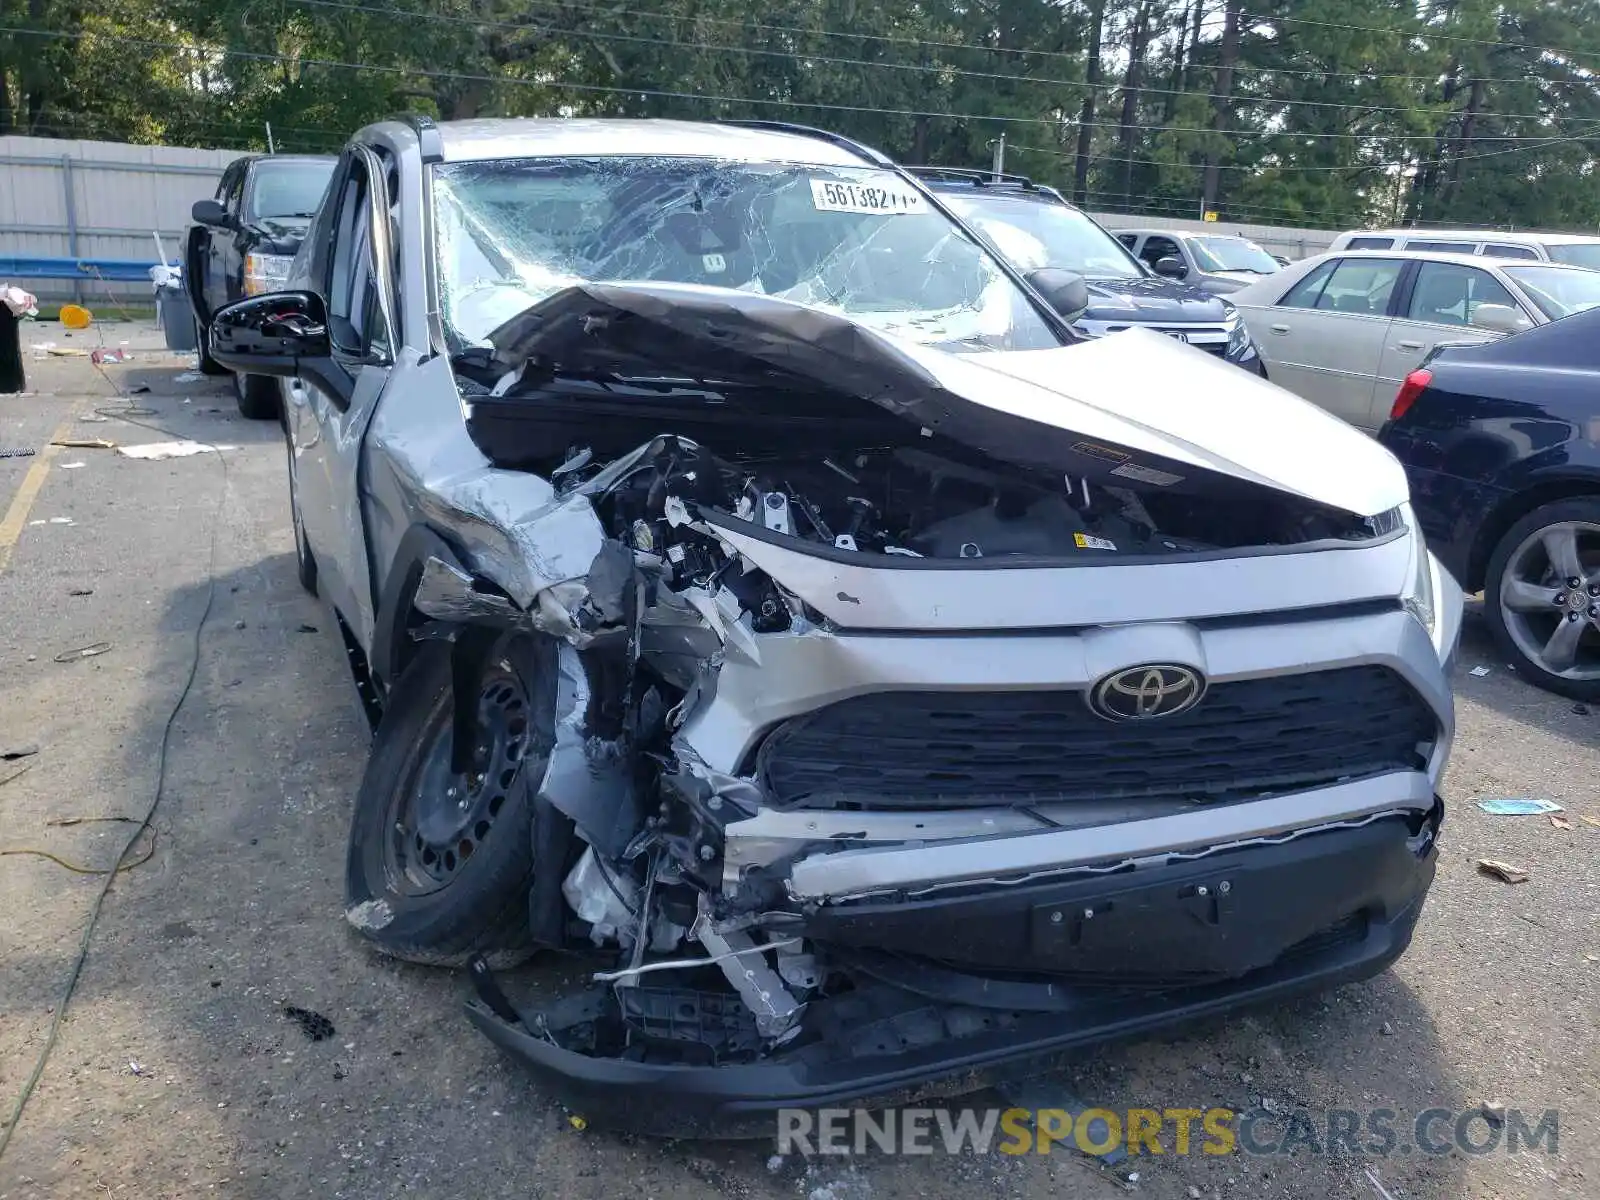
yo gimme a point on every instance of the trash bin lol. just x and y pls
(173, 309)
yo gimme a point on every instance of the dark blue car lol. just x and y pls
(1501, 442)
(1033, 227)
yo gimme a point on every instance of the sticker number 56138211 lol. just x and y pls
(831, 195)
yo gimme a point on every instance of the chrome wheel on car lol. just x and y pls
(1549, 596)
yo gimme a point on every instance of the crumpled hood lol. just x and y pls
(1135, 404)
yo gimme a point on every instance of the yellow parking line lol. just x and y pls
(16, 517)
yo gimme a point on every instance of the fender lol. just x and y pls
(391, 647)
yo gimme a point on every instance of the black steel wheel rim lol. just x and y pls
(440, 819)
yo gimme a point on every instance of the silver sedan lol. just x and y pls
(1344, 330)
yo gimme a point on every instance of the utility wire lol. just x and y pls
(1370, 166)
(1068, 55)
(934, 69)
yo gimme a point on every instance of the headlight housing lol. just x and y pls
(1239, 344)
(1419, 598)
(266, 273)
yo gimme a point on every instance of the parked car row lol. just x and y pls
(822, 597)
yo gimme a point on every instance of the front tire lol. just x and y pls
(1542, 597)
(208, 365)
(440, 865)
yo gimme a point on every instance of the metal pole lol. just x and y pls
(999, 157)
(67, 194)
(270, 149)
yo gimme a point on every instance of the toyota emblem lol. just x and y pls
(1145, 692)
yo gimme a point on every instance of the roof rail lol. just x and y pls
(427, 131)
(877, 158)
(974, 175)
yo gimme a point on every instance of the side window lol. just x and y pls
(231, 186)
(1361, 286)
(1157, 248)
(1442, 247)
(1370, 243)
(1305, 293)
(354, 318)
(1128, 239)
(1494, 250)
(1448, 294)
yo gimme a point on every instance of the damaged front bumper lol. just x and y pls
(1168, 942)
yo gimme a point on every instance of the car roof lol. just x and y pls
(1469, 260)
(587, 137)
(1182, 233)
(1475, 235)
(261, 160)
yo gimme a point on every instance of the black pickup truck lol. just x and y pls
(241, 244)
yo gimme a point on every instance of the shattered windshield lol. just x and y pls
(859, 241)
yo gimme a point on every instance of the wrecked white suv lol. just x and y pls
(759, 591)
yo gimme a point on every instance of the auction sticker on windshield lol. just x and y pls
(829, 195)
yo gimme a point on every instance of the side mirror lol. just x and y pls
(211, 212)
(1064, 291)
(1171, 266)
(270, 335)
(1499, 318)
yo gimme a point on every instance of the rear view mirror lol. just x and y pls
(1499, 318)
(1171, 266)
(270, 335)
(211, 212)
(1064, 291)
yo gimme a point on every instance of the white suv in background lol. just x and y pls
(1574, 249)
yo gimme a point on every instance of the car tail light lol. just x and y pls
(1415, 384)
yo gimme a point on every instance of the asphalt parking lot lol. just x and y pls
(178, 1074)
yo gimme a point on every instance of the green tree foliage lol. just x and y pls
(1277, 111)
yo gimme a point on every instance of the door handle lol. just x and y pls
(1279, 328)
(1409, 345)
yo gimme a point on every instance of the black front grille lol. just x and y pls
(1245, 739)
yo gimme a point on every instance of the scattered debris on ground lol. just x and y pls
(1560, 822)
(1518, 806)
(160, 450)
(85, 443)
(316, 1026)
(1480, 672)
(16, 452)
(1503, 871)
(89, 651)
